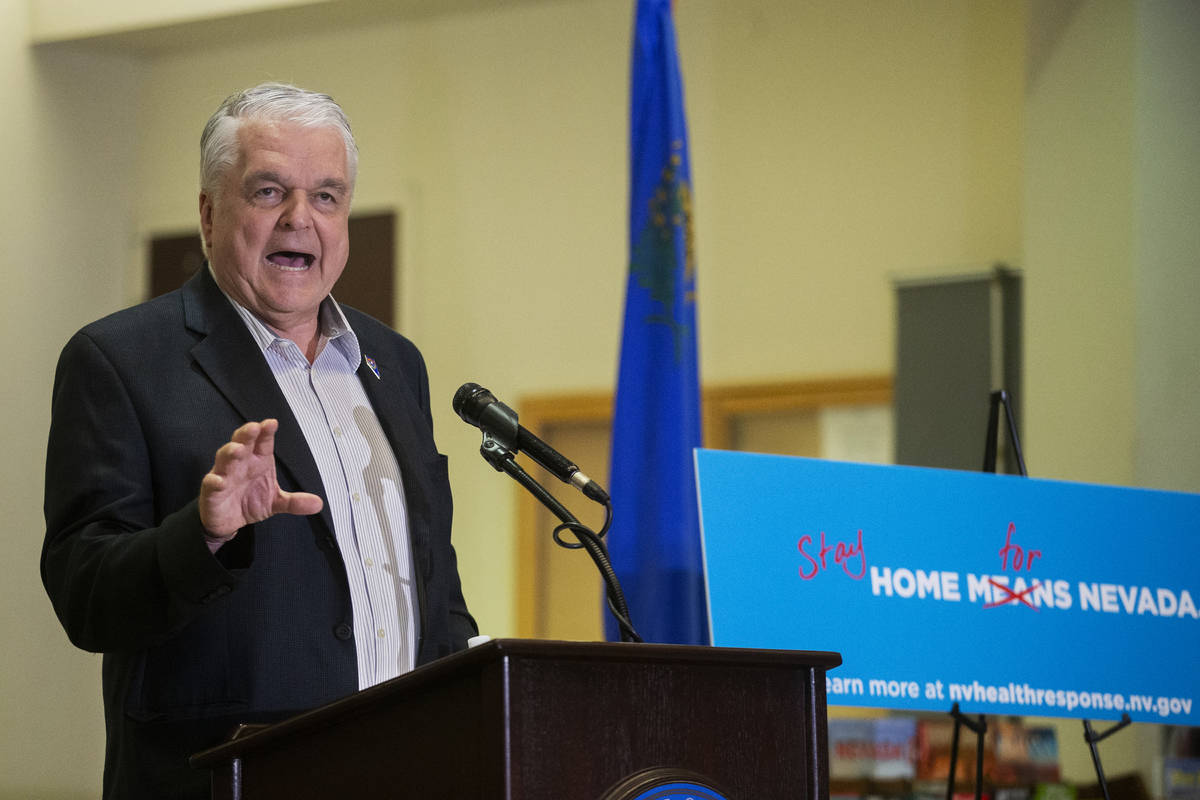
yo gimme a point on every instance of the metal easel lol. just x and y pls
(1090, 735)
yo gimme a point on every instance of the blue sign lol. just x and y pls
(1006, 595)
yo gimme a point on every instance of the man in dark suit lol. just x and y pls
(246, 511)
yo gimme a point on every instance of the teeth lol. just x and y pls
(288, 263)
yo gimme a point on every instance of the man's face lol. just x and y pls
(277, 233)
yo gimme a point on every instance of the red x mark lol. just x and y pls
(1020, 596)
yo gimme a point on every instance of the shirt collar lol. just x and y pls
(335, 329)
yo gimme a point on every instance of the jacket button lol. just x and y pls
(343, 631)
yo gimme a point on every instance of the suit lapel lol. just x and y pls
(228, 355)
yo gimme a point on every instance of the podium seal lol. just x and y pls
(665, 783)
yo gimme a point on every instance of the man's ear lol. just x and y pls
(206, 217)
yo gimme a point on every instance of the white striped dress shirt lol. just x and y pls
(362, 486)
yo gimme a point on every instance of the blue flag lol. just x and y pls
(655, 537)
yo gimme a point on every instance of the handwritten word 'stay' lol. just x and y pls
(843, 554)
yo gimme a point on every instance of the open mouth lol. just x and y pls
(291, 260)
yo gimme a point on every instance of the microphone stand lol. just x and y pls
(503, 459)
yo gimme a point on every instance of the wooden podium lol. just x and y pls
(526, 720)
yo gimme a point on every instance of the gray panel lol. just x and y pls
(957, 341)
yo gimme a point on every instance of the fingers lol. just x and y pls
(257, 438)
(242, 488)
(211, 483)
(264, 444)
(300, 503)
(226, 457)
(214, 514)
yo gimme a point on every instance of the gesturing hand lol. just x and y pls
(241, 488)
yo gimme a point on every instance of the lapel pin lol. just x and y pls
(371, 365)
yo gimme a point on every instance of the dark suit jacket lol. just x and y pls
(194, 643)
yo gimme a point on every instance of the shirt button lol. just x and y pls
(356, 497)
(370, 562)
(337, 431)
(343, 631)
(382, 633)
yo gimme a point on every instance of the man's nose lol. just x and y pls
(296, 214)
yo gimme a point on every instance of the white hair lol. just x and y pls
(273, 102)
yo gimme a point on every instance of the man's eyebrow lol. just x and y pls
(335, 184)
(270, 176)
(264, 175)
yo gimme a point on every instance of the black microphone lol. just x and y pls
(479, 407)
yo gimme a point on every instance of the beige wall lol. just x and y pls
(1166, 203)
(1079, 246)
(836, 145)
(65, 222)
(845, 144)
(66, 20)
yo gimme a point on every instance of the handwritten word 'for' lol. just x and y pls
(1020, 557)
(843, 553)
(1019, 554)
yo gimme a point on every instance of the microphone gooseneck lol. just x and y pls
(503, 438)
(479, 407)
